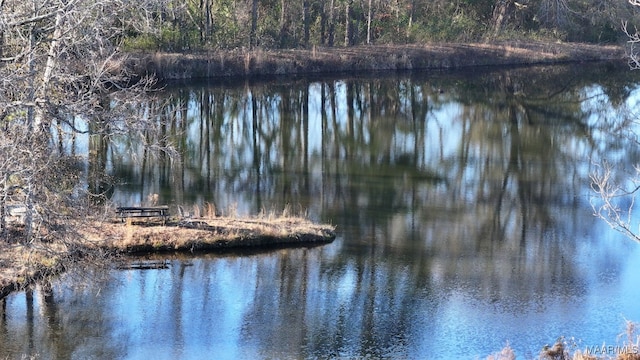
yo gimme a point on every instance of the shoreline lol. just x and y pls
(367, 58)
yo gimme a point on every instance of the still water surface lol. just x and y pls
(462, 203)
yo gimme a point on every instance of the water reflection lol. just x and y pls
(461, 200)
(306, 303)
(54, 325)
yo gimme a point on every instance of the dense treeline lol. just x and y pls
(222, 24)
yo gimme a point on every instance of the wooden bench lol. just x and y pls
(146, 212)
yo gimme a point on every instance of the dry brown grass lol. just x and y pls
(562, 350)
(506, 353)
(556, 352)
(369, 58)
(205, 233)
(21, 265)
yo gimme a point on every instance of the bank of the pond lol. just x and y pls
(206, 234)
(24, 264)
(248, 63)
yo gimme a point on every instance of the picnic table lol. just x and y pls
(145, 212)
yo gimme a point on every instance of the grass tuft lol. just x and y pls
(211, 210)
(506, 353)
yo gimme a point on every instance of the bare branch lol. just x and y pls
(31, 20)
(606, 208)
(60, 62)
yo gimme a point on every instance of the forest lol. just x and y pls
(197, 25)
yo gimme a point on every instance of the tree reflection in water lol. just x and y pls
(461, 200)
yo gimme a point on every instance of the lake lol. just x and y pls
(462, 202)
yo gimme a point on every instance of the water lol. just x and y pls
(462, 203)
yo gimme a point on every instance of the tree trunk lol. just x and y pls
(398, 18)
(323, 24)
(347, 23)
(1, 33)
(52, 59)
(3, 208)
(28, 214)
(206, 12)
(253, 41)
(283, 23)
(411, 14)
(501, 12)
(332, 25)
(305, 22)
(369, 14)
(31, 82)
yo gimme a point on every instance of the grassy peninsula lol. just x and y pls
(206, 234)
(23, 264)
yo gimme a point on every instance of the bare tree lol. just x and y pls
(555, 13)
(61, 65)
(616, 202)
(633, 40)
(616, 192)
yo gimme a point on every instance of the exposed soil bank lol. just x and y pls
(244, 63)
